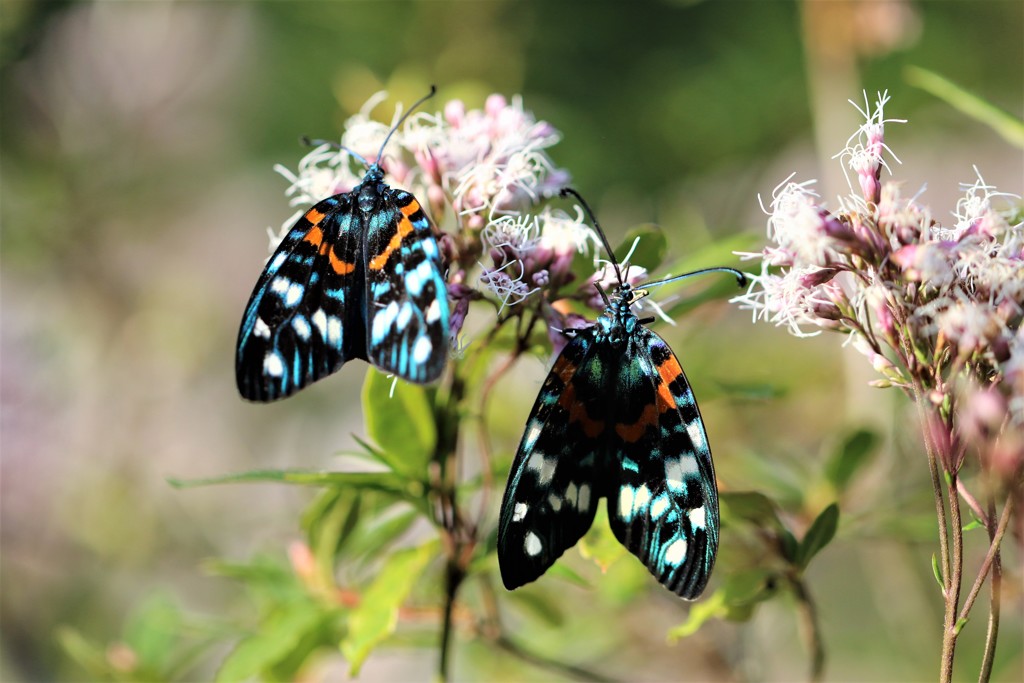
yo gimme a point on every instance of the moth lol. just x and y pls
(616, 418)
(359, 275)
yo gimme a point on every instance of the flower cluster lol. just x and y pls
(937, 310)
(485, 175)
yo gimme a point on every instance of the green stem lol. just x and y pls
(948, 562)
(453, 579)
(457, 536)
(933, 469)
(576, 672)
(951, 624)
(993, 562)
(810, 628)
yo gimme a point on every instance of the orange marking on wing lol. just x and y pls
(633, 432)
(314, 216)
(669, 371)
(565, 370)
(315, 236)
(578, 413)
(410, 208)
(404, 228)
(340, 267)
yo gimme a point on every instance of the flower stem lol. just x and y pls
(810, 629)
(951, 624)
(992, 562)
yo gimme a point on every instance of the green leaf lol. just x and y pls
(855, 451)
(87, 655)
(279, 635)
(329, 522)
(561, 571)
(1008, 127)
(749, 507)
(937, 573)
(153, 631)
(372, 536)
(789, 545)
(541, 606)
(735, 600)
(389, 483)
(376, 616)
(650, 250)
(400, 419)
(600, 546)
(822, 531)
(710, 607)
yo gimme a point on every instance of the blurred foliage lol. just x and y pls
(135, 184)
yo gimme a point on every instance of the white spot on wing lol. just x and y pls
(405, 315)
(626, 502)
(421, 350)
(532, 432)
(434, 311)
(334, 331)
(301, 327)
(571, 492)
(294, 294)
(413, 282)
(519, 512)
(279, 285)
(532, 545)
(383, 319)
(641, 499)
(261, 329)
(555, 502)
(547, 471)
(320, 322)
(697, 517)
(659, 506)
(273, 365)
(583, 501)
(676, 552)
(678, 470)
(696, 432)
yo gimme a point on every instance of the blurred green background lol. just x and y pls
(136, 186)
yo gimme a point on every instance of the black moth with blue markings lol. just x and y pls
(617, 419)
(359, 275)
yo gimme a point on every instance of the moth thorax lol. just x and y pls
(617, 324)
(368, 197)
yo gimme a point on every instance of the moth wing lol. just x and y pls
(407, 332)
(305, 316)
(550, 499)
(665, 509)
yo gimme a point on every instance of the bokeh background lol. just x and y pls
(137, 145)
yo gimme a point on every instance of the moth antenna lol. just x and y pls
(410, 110)
(741, 278)
(567, 191)
(600, 290)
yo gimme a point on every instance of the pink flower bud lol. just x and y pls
(455, 112)
(818, 277)
(494, 104)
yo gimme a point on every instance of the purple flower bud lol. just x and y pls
(818, 277)
(456, 320)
